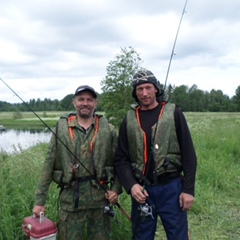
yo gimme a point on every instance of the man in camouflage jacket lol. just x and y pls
(79, 160)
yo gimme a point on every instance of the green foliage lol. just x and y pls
(188, 98)
(216, 208)
(66, 102)
(236, 99)
(116, 86)
(19, 174)
(196, 100)
(215, 214)
(180, 97)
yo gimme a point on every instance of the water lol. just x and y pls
(12, 140)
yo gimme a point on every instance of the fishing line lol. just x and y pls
(76, 158)
(174, 44)
(27, 105)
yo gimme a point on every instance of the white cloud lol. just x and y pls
(48, 48)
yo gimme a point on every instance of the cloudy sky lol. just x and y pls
(50, 47)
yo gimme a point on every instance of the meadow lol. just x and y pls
(215, 214)
(29, 120)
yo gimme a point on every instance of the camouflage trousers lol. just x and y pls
(84, 225)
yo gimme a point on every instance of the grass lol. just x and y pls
(29, 120)
(215, 214)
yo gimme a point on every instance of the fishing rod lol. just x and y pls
(76, 158)
(174, 44)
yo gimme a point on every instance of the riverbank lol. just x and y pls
(28, 120)
(215, 214)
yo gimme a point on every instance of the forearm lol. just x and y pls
(46, 176)
(41, 194)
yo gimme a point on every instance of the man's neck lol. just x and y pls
(85, 122)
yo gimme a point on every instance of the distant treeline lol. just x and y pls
(195, 100)
(189, 99)
(42, 105)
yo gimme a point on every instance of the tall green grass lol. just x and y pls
(215, 214)
(19, 174)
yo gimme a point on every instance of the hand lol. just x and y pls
(111, 196)
(37, 209)
(186, 201)
(139, 193)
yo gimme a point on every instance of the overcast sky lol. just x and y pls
(50, 47)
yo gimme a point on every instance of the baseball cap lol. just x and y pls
(85, 88)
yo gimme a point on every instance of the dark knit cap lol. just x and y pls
(144, 76)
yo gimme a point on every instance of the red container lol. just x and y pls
(39, 228)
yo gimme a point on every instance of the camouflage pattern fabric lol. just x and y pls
(75, 225)
(61, 161)
(165, 150)
(87, 214)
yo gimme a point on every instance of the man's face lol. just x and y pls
(146, 94)
(85, 104)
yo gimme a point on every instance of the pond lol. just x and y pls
(12, 140)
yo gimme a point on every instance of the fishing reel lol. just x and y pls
(108, 209)
(146, 210)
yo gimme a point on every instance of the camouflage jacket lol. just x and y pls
(75, 157)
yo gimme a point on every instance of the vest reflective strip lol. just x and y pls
(95, 131)
(146, 157)
(162, 110)
(70, 129)
(145, 151)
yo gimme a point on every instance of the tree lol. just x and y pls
(66, 102)
(181, 98)
(117, 94)
(236, 98)
(197, 98)
(218, 102)
(169, 91)
(116, 86)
